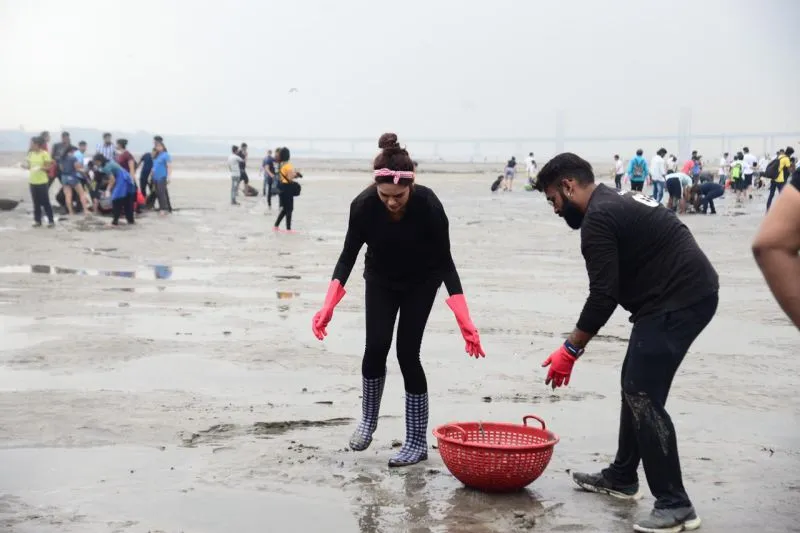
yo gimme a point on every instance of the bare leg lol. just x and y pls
(68, 198)
(83, 198)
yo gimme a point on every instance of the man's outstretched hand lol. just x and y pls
(560, 363)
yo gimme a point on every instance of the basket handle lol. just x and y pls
(525, 420)
(460, 430)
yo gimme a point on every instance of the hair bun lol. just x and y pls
(388, 141)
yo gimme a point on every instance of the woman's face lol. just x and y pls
(394, 197)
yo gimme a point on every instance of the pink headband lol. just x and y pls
(396, 174)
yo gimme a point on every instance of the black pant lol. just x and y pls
(710, 191)
(773, 186)
(143, 184)
(618, 181)
(656, 348)
(637, 185)
(287, 206)
(268, 189)
(123, 204)
(382, 306)
(40, 194)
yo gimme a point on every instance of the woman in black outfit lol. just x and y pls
(408, 257)
(287, 188)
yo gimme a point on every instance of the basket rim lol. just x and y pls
(438, 433)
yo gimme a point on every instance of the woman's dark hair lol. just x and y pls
(566, 165)
(284, 154)
(122, 143)
(234, 149)
(394, 157)
(101, 159)
(38, 141)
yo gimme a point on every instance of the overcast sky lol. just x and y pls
(423, 68)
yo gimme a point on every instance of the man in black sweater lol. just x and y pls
(641, 256)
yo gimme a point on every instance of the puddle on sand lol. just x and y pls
(220, 432)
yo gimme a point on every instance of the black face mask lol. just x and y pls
(570, 212)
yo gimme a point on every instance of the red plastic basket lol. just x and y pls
(496, 457)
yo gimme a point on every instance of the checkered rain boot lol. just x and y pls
(415, 447)
(370, 407)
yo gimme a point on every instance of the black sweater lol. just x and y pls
(641, 256)
(404, 253)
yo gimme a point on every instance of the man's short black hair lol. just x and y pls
(82, 143)
(158, 138)
(106, 134)
(662, 152)
(639, 151)
(64, 134)
(562, 166)
(235, 149)
(789, 150)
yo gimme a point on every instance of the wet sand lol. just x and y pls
(164, 377)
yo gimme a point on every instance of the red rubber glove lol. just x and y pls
(560, 363)
(458, 304)
(320, 321)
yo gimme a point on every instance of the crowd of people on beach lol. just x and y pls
(102, 182)
(694, 187)
(690, 187)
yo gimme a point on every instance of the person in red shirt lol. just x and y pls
(688, 166)
(124, 157)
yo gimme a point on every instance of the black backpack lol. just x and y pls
(771, 171)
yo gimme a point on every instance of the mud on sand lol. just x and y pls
(164, 378)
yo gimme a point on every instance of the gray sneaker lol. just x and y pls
(600, 484)
(668, 521)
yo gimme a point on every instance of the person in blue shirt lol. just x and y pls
(268, 169)
(637, 170)
(121, 188)
(162, 171)
(80, 153)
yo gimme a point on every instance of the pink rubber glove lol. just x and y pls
(560, 362)
(320, 321)
(458, 304)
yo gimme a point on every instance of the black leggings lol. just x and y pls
(382, 306)
(287, 206)
(40, 194)
(123, 204)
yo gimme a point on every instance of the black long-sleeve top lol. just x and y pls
(641, 256)
(403, 253)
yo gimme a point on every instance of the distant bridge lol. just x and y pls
(682, 139)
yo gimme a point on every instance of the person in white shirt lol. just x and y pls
(234, 165)
(749, 164)
(619, 171)
(724, 169)
(762, 167)
(658, 169)
(672, 164)
(530, 166)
